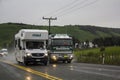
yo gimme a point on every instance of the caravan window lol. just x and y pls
(34, 45)
(19, 46)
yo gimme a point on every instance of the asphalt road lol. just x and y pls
(10, 70)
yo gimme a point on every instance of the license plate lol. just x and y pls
(65, 56)
(37, 59)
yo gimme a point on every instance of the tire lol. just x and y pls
(69, 61)
(25, 62)
(45, 63)
(52, 62)
(18, 61)
(64, 61)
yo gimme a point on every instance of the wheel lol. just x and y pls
(69, 61)
(25, 62)
(45, 63)
(17, 61)
(52, 62)
(64, 61)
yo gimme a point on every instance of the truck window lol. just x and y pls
(62, 42)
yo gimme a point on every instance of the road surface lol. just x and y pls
(11, 70)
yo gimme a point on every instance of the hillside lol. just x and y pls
(79, 32)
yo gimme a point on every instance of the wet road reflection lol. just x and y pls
(54, 65)
(28, 78)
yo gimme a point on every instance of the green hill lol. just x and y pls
(79, 32)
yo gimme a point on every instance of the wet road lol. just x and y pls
(10, 70)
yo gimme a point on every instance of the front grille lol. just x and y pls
(37, 54)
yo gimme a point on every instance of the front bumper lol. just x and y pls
(30, 59)
(61, 58)
(64, 59)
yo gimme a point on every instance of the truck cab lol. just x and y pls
(60, 48)
(30, 46)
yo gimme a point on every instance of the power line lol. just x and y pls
(71, 7)
(86, 5)
(62, 8)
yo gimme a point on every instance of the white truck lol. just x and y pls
(60, 48)
(30, 46)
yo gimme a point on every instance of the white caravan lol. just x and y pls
(30, 46)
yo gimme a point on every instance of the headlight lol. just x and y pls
(46, 54)
(54, 57)
(28, 54)
(71, 56)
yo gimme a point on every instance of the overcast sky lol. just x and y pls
(105, 13)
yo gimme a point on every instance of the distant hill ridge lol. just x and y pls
(79, 32)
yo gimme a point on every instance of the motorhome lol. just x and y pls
(60, 48)
(30, 46)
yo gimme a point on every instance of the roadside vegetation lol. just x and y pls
(111, 55)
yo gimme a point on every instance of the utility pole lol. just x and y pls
(49, 19)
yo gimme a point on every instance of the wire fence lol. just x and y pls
(98, 57)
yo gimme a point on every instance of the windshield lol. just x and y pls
(34, 45)
(65, 42)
